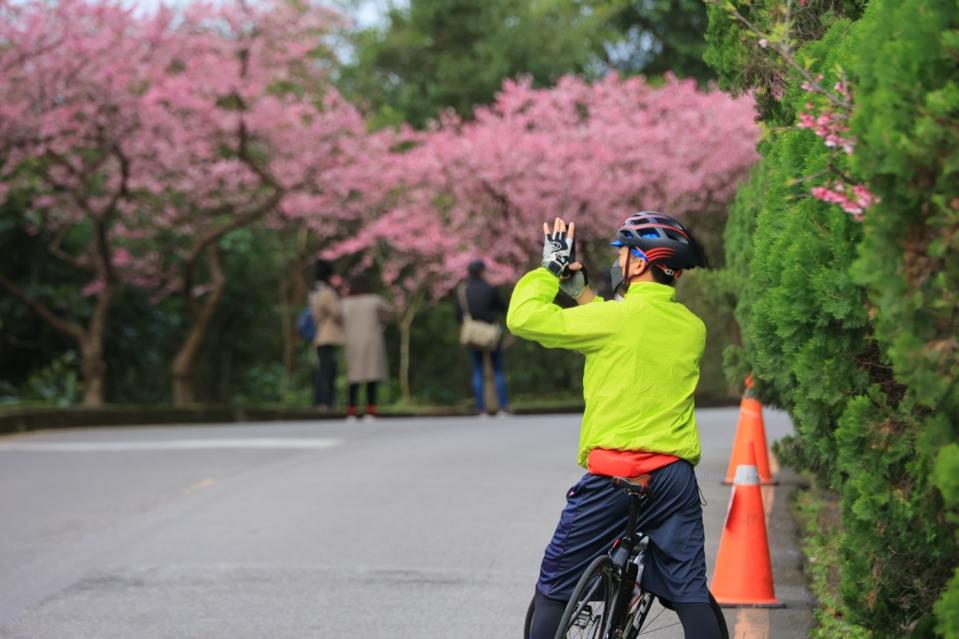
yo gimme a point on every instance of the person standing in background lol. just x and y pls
(327, 315)
(364, 316)
(485, 305)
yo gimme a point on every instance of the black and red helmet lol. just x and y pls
(660, 239)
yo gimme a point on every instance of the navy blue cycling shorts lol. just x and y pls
(595, 516)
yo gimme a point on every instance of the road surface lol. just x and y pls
(399, 528)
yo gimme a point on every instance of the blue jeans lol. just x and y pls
(479, 379)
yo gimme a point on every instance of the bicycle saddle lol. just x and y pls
(638, 485)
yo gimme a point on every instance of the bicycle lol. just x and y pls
(608, 601)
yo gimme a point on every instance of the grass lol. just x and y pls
(817, 512)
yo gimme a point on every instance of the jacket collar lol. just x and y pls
(651, 290)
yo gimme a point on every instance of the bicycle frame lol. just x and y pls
(627, 555)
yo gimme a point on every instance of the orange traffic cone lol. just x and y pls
(743, 575)
(750, 428)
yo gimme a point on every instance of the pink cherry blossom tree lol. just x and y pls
(154, 136)
(71, 82)
(249, 130)
(592, 153)
(353, 192)
(403, 236)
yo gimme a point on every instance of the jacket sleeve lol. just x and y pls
(328, 306)
(316, 307)
(532, 315)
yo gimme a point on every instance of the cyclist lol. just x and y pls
(642, 366)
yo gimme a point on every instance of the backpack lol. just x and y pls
(305, 325)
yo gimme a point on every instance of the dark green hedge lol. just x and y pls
(852, 326)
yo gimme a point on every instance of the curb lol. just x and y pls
(29, 419)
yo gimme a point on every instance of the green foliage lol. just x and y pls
(947, 610)
(656, 36)
(733, 50)
(817, 514)
(698, 291)
(853, 326)
(437, 54)
(270, 383)
(802, 319)
(908, 121)
(56, 384)
(29, 349)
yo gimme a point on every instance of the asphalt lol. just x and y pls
(397, 528)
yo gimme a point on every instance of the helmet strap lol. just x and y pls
(627, 277)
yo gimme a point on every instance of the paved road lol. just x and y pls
(412, 528)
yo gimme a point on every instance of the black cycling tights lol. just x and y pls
(698, 619)
(546, 617)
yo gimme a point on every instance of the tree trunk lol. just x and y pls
(93, 365)
(287, 326)
(181, 369)
(293, 293)
(406, 330)
(89, 339)
(93, 369)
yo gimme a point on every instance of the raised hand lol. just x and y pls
(576, 283)
(559, 248)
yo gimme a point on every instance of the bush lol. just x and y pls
(853, 326)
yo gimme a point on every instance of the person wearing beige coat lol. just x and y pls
(364, 317)
(328, 317)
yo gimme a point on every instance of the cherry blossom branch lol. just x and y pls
(784, 50)
(829, 124)
(55, 248)
(20, 60)
(64, 326)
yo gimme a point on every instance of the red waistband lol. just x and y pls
(626, 463)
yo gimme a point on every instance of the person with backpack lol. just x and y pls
(327, 316)
(642, 367)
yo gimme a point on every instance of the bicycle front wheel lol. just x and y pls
(587, 614)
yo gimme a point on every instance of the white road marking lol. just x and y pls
(261, 443)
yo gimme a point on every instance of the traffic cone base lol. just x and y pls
(743, 574)
(762, 482)
(726, 604)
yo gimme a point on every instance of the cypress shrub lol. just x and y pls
(852, 326)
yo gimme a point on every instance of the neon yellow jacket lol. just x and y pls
(642, 362)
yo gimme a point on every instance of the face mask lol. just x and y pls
(615, 277)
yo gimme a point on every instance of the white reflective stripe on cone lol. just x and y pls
(746, 475)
